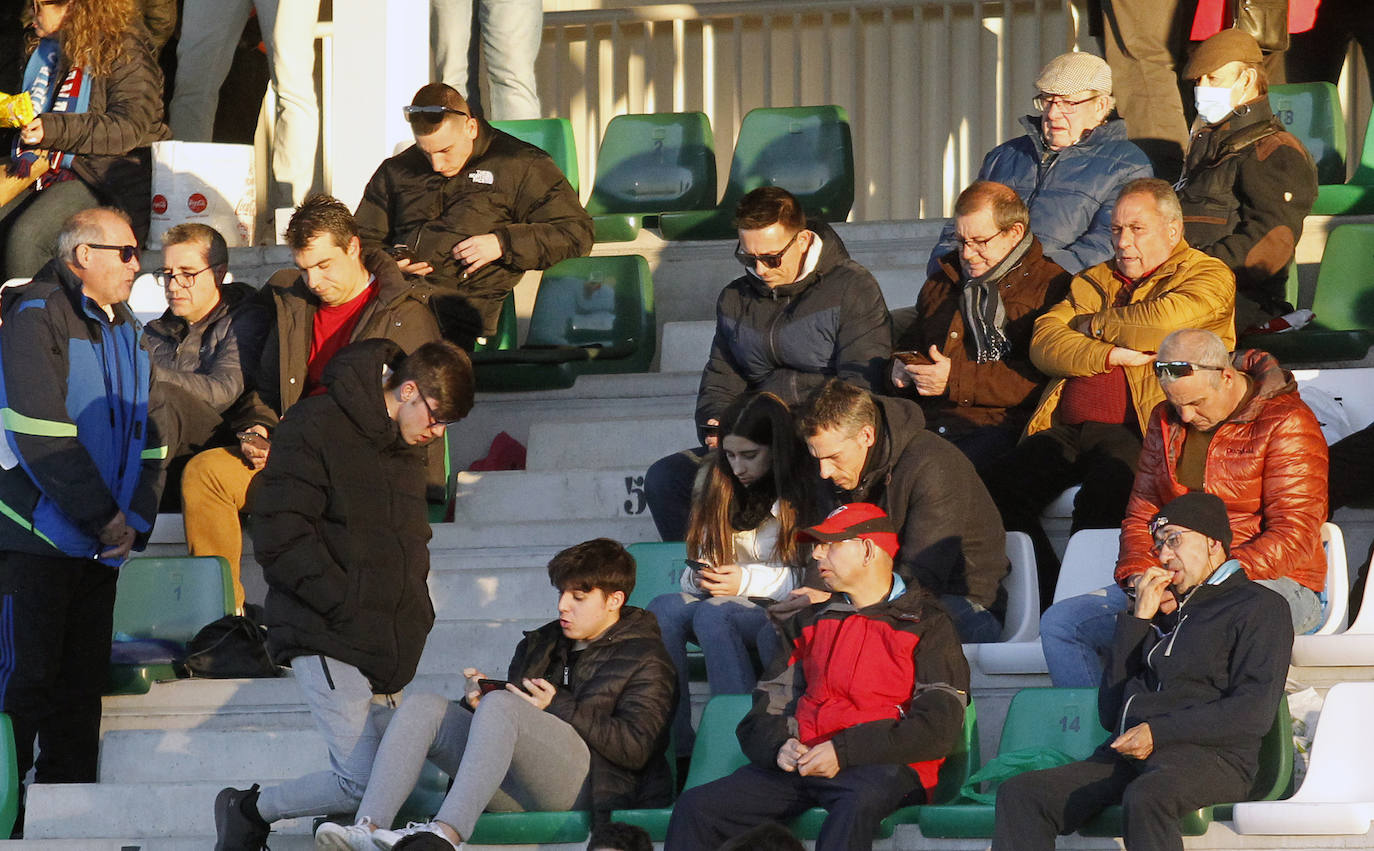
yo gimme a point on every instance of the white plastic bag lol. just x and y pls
(207, 183)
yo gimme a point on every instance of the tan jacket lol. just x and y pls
(1073, 338)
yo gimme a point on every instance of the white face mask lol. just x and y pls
(1213, 102)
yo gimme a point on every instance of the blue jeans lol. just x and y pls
(975, 624)
(668, 490)
(510, 31)
(727, 629)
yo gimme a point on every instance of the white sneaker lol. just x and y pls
(386, 839)
(345, 837)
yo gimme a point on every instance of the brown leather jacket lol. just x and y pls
(1267, 463)
(1000, 393)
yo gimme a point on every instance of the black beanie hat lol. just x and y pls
(1201, 512)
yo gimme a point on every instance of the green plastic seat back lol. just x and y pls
(507, 328)
(1364, 169)
(1061, 718)
(9, 777)
(657, 568)
(594, 301)
(806, 150)
(716, 752)
(1312, 112)
(961, 762)
(172, 598)
(1275, 772)
(554, 136)
(655, 163)
(1345, 281)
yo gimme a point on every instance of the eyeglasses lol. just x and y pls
(1171, 541)
(976, 244)
(184, 280)
(433, 420)
(1180, 368)
(126, 252)
(770, 261)
(410, 111)
(1068, 107)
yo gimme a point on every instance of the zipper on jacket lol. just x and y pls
(1168, 651)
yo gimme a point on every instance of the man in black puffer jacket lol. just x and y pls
(340, 528)
(582, 722)
(803, 313)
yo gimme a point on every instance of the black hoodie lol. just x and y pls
(340, 527)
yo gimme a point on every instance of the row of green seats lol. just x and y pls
(1312, 112)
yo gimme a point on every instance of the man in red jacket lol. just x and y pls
(1235, 427)
(837, 723)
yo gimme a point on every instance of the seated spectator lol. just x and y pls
(336, 294)
(582, 722)
(203, 346)
(876, 449)
(1247, 183)
(1098, 348)
(802, 313)
(1188, 721)
(966, 358)
(97, 92)
(742, 550)
(1235, 427)
(1068, 167)
(618, 836)
(858, 740)
(470, 209)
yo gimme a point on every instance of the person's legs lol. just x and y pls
(32, 237)
(668, 490)
(707, 816)
(511, 31)
(210, 31)
(975, 624)
(1174, 780)
(424, 727)
(674, 614)
(987, 446)
(349, 716)
(727, 629)
(856, 800)
(1109, 456)
(1142, 41)
(1077, 633)
(1035, 807)
(1303, 603)
(214, 489)
(288, 29)
(450, 24)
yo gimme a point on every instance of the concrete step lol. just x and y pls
(685, 346)
(557, 533)
(268, 755)
(595, 444)
(163, 811)
(610, 494)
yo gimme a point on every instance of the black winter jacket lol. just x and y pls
(1210, 674)
(952, 540)
(1247, 185)
(210, 358)
(791, 339)
(623, 691)
(507, 187)
(341, 530)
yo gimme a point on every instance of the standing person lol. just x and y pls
(581, 721)
(96, 90)
(341, 530)
(81, 473)
(508, 33)
(209, 32)
(742, 550)
(1144, 45)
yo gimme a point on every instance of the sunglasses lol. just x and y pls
(126, 252)
(769, 261)
(411, 111)
(1170, 540)
(1180, 368)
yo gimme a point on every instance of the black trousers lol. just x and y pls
(1099, 456)
(1351, 481)
(1035, 807)
(857, 799)
(56, 618)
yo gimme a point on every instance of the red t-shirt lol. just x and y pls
(331, 330)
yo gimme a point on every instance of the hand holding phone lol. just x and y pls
(486, 685)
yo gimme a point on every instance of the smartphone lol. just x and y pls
(486, 686)
(909, 358)
(255, 440)
(695, 566)
(400, 251)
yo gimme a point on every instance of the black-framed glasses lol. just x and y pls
(1180, 368)
(433, 420)
(976, 244)
(770, 261)
(126, 252)
(1068, 107)
(183, 280)
(436, 111)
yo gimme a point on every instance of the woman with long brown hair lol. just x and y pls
(96, 92)
(741, 548)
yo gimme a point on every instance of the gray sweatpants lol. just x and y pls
(507, 756)
(352, 719)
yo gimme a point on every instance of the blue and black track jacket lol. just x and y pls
(80, 444)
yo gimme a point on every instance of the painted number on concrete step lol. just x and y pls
(635, 505)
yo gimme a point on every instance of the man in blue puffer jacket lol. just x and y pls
(1068, 167)
(80, 471)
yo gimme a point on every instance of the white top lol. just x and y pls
(761, 576)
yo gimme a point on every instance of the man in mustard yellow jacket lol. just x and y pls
(1097, 346)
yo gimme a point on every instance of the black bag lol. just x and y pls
(231, 647)
(1266, 20)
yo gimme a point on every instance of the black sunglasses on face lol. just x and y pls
(126, 252)
(1180, 368)
(770, 261)
(411, 111)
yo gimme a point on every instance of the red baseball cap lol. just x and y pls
(855, 520)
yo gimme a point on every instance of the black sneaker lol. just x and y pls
(238, 827)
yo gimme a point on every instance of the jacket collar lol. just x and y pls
(898, 419)
(59, 271)
(949, 263)
(391, 284)
(832, 253)
(1111, 130)
(1166, 269)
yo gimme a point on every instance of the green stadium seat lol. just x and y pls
(166, 599)
(806, 150)
(439, 511)
(1354, 197)
(1312, 112)
(657, 567)
(507, 329)
(554, 136)
(1344, 304)
(10, 791)
(591, 315)
(650, 164)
